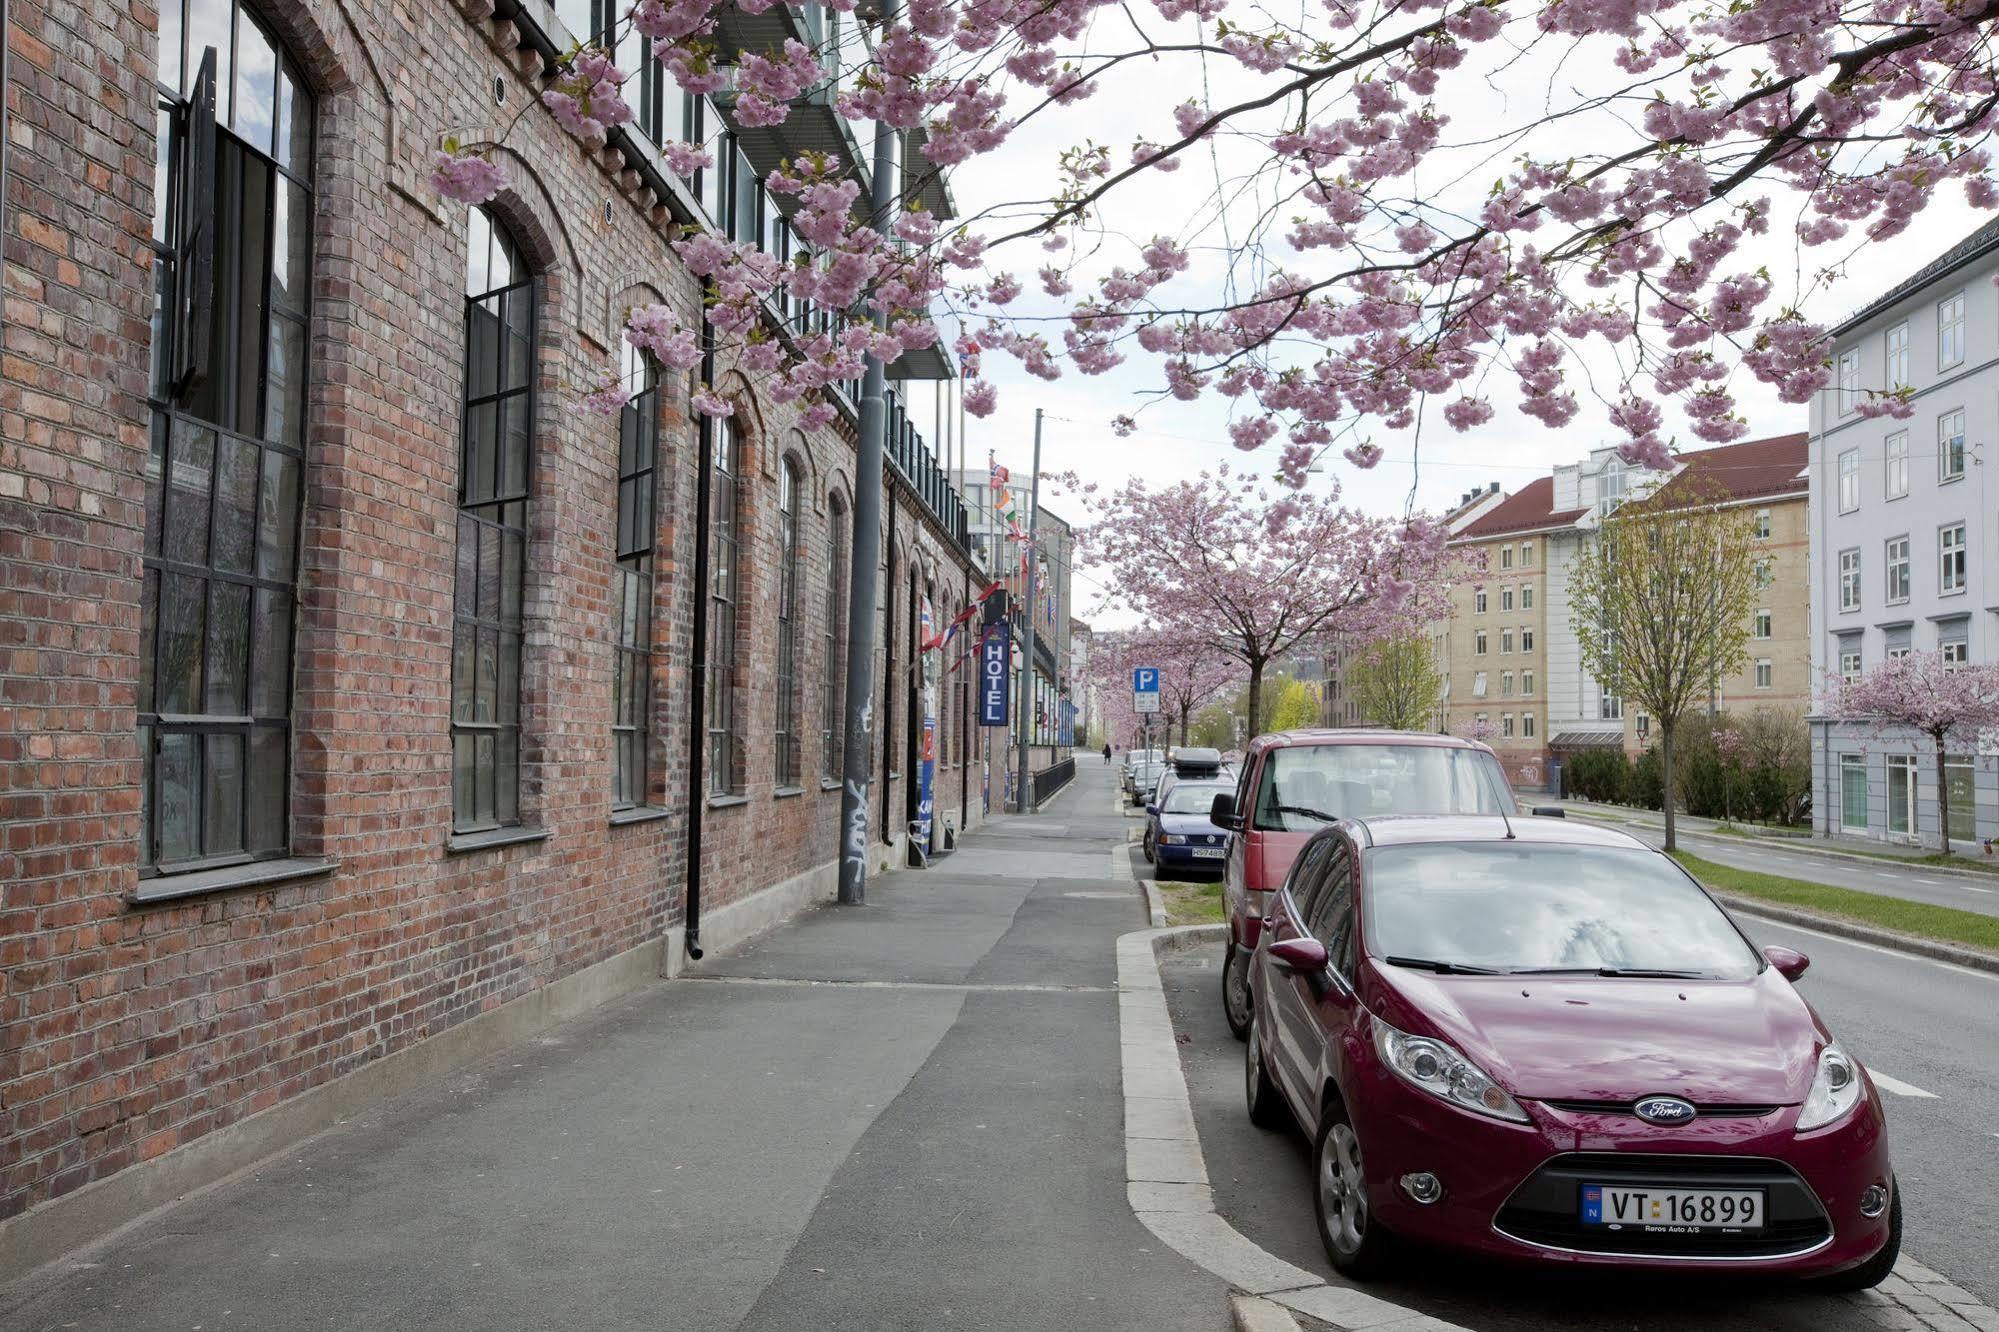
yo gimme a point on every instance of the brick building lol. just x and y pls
(363, 703)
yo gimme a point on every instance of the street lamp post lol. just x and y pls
(1024, 801)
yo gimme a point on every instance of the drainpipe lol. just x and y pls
(5, 138)
(697, 678)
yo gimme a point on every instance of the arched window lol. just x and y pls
(494, 462)
(786, 730)
(833, 680)
(724, 776)
(232, 248)
(631, 677)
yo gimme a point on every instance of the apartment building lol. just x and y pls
(1906, 522)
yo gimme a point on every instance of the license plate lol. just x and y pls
(1669, 1211)
(1209, 853)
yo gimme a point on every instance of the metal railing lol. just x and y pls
(913, 459)
(1052, 779)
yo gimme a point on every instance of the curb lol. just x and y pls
(1956, 954)
(1253, 1313)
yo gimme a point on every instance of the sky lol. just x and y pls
(1426, 468)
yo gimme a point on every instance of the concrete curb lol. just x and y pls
(1167, 1176)
(1956, 954)
(1252, 1313)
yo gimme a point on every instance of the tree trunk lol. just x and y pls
(1943, 801)
(1255, 700)
(1666, 781)
(1185, 708)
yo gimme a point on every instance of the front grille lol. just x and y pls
(1711, 1111)
(1547, 1208)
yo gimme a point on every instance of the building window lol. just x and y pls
(1526, 554)
(1644, 726)
(725, 460)
(493, 466)
(1526, 640)
(1950, 559)
(1950, 331)
(1506, 684)
(786, 728)
(1506, 598)
(1506, 557)
(1763, 669)
(1849, 664)
(1960, 796)
(1895, 465)
(1527, 597)
(1764, 576)
(1897, 651)
(1898, 356)
(1898, 569)
(1478, 643)
(832, 726)
(1849, 382)
(1506, 725)
(1527, 725)
(1902, 794)
(1609, 707)
(1950, 446)
(1762, 524)
(1956, 652)
(1763, 622)
(232, 230)
(1853, 792)
(1478, 602)
(1506, 640)
(1478, 685)
(1527, 683)
(1849, 481)
(1849, 580)
(631, 678)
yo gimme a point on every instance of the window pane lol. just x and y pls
(514, 446)
(518, 313)
(462, 637)
(183, 619)
(188, 479)
(168, 68)
(277, 517)
(464, 771)
(481, 448)
(149, 622)
(507, 776)
(244, 269)
(228, 649)
(508, 687)
(235, 503)
(284, 392)
(208, 25)
(222, 795)
(484, 796)
(487, 669)
(255, 109)
(174, 793)
(291, 238)
(270, 683)
(294, 124)
(487, 604)
(269, 783)
(482, 357)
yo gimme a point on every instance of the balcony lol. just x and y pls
(912, 460)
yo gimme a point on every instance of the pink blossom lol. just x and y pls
(708, 403)
(467, 177)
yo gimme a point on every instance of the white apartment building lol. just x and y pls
(1904, 532)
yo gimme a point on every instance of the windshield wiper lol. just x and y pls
(1308, 812)
(1441, 968)
(1640, 973)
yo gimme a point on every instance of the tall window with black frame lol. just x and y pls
(231, 239)
(494, 465)
(786, 731)
(631, 679)
(833, 676)
(724, 515)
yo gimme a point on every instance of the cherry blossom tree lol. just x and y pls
(1225, 563)
(1479, 730)
(1458, 200)
(1193, 673)
(1921, 692)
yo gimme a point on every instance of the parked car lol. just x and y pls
(1546, 1042)
(1132, 760)
(1295, 782)
(1178, 835)
(1145, 780)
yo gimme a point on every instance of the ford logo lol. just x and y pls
(1664, 1110)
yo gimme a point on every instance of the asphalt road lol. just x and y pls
(1928, 1027)
(1915, 883)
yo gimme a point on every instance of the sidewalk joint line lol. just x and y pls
(953, 987)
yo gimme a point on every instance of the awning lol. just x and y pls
(1588, 738)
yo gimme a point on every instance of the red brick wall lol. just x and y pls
(126, 1031)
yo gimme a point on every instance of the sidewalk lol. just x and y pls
(901, 1116)
(1838, 845)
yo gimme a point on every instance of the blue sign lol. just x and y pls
(1145, 679)
(995, 666)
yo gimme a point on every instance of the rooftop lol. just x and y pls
(1977, 244)
(1526, 509)
(1753, 468)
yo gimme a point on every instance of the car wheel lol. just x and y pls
(1160, 874)
(1236, 998)
(1354, 1239)
(1876, 1269)
(1266, 1103)
(1150, 857)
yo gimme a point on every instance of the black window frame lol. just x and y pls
(725, 777)
(633, 571)
(785, 741)
(833, 684)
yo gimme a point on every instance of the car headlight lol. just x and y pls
(1173, 839)
(1835, 1090)
(1444, 1073)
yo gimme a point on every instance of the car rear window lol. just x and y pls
(1549, 908)
(1306, 787)
(1192, 798)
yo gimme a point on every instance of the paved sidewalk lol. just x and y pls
(902, 1116)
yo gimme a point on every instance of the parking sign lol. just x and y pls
(1145, 689)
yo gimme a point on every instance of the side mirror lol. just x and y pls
(1306, 954)
(1550, 812)
(1790, 963)
(1221, 812)
(1152, 809)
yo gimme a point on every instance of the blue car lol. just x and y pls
(1178, 837)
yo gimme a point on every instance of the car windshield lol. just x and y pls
(1192, 797)
(1305, 787)
(1549, 909)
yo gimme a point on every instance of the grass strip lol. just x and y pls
(1191, 903)
(1922, 919)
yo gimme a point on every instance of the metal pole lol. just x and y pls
(1029, 610)
(861, 590)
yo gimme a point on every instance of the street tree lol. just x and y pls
(1225, 562)
(1192, 674)
(1349, 255)
(1924, 693)
(1480, 730)
(1660, 603)
(1395, 681)
(1297, 706)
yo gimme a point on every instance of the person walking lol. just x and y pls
(1107, 754)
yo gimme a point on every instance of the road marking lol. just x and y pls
(1748, 914)
(1899, 1087)
(948, 987)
